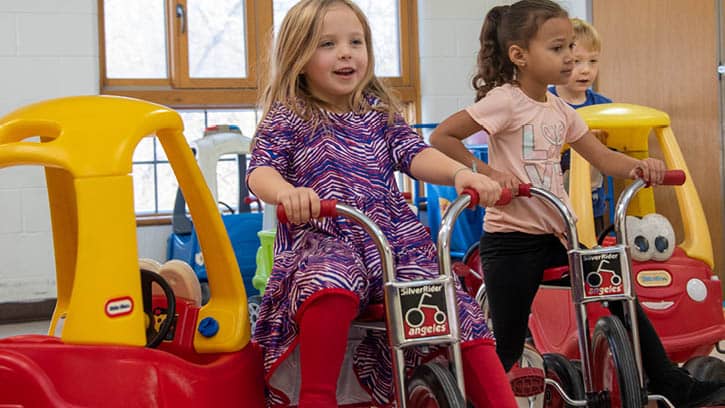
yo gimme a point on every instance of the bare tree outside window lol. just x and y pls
(383, 16)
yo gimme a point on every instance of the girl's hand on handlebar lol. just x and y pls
(650, 170)
(300, 204)
(506, 180)
(488, 189)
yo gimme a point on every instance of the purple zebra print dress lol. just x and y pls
(351, 158)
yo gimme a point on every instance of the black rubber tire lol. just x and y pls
(431, 383)
(612, 351)
(706, 368)
(563, 371)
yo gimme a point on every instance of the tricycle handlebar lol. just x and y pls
(674, 178)
(328, 208)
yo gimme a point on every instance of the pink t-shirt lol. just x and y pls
(525, 139)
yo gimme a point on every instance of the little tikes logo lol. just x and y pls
(119, 306)
(425, 313)
(654, 278)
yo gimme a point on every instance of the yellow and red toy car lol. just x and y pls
(106, 313)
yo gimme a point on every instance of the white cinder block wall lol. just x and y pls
(448, 38)
(49, 48)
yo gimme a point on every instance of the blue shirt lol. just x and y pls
(593, 98)
(598, 199)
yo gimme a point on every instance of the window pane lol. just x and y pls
(194, 123)
(135, 40)
(246, 119)
(143, 188)
(228, 180)
(217, 47)
(144, 150)
(384, 19)
(167, 187)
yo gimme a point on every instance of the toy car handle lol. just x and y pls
(331, 208)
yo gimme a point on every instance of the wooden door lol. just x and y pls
(662, 54)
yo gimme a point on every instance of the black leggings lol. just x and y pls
(513, 266)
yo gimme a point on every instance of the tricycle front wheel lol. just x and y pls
(613, 365)
(432, 386)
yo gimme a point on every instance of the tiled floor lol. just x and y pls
(7, 330)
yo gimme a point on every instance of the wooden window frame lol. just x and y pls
(179, 91)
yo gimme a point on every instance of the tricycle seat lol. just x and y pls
(556, 273)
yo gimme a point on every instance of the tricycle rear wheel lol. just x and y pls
(561, 370)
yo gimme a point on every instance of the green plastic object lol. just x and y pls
(265, 259)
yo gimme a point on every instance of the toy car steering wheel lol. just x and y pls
(153, 337)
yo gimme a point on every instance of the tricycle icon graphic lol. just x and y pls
(595, 279)
(415, 317)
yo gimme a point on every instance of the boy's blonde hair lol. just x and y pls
(586, 35)
(296, 42)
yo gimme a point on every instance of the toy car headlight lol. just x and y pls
(696, 290)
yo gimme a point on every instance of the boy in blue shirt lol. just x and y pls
(587, 46)
(578, 93)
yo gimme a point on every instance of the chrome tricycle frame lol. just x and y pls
(584, 263)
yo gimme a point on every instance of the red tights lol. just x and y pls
(486, 383)
(324, 326)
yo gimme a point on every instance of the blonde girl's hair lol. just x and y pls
(503, 27)
(296, 42)
(586, 35)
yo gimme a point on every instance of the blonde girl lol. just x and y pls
(332, 130)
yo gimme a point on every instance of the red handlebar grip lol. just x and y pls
(474, 197)
(524, 190)
(328, 208)
(505, 197)
(674, 178)
(281, 214)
